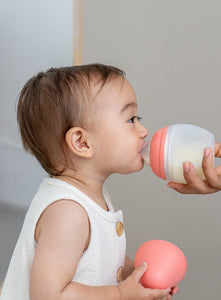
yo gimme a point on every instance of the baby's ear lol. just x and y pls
(78, 141)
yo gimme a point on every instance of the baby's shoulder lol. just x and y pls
(63, 215)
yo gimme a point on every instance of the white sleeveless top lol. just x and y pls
(98, 265)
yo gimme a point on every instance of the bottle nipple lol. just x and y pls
(145, 152)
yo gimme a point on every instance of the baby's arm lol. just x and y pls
(62, 234)
(195, 185)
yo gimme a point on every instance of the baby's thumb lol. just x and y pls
(139, 271)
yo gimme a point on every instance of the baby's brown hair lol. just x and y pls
(54, 101)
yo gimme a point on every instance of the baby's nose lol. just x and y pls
(144, 131)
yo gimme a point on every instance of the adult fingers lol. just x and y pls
(194, 184)
(212, 177)
(217, 149)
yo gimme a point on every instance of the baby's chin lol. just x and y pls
(138, 168)
(140, 165)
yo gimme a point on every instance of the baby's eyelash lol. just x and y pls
(134, 119)
(139, 118)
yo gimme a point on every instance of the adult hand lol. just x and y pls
(195, 185)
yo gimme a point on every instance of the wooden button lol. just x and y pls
(119, 228)
(120, 275)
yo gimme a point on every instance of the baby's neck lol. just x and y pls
(92, 187)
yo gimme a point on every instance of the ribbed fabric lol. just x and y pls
(98, 265)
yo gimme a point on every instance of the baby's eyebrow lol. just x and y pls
(127, 106)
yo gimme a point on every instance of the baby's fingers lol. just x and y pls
(155, 293)
(175, 290)
(159, 294)
(139, 271)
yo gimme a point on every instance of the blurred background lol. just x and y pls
(170, 51)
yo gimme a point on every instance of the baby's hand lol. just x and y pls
(131, 288)
(195, 185)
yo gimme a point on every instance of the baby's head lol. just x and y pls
(55, 101)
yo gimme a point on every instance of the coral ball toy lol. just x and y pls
(166, 264)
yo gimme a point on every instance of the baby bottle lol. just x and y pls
(173, 145)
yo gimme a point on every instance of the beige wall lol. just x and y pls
(170, 51)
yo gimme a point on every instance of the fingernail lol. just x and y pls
(174, 293)
(170, 186)
(206, 152)
(144, 264)
(186, 166)
(175, 290)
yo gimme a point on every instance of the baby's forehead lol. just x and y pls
(99, 83)
(102, 88)
(114, 93)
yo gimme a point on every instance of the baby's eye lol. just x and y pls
(134, 119)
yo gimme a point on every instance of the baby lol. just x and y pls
(81, 124)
